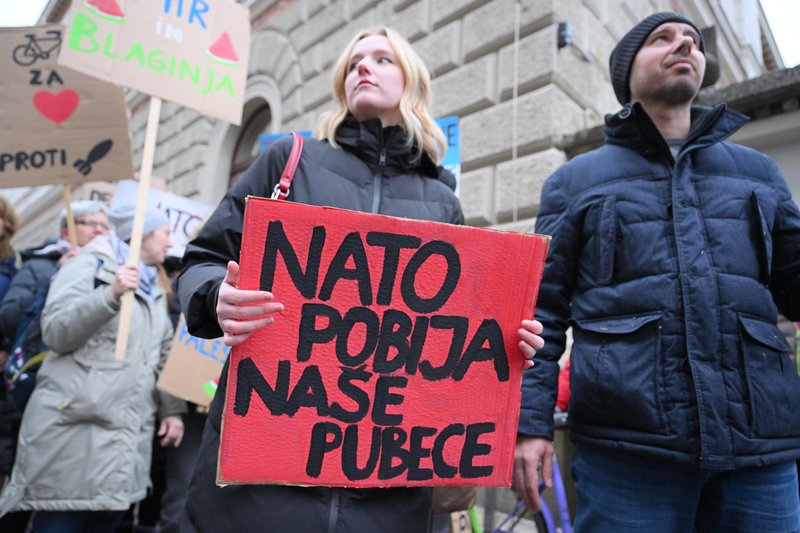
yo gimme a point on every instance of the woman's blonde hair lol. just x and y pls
(10, 221)
(414, 105)
(166, 284)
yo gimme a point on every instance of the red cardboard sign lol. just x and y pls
(395, 361)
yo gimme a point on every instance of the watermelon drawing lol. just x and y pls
(222, 50)
(210, 387)
(106, 9)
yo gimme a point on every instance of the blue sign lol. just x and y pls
(452, 158)
(265, 139)
(212, 348)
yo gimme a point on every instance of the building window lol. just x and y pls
(257, 119)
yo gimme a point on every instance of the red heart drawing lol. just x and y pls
(56, 107)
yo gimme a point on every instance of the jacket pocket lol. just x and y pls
(615, 372)
(606, 240)
(773, 386)
(762, 237)
(101, 393)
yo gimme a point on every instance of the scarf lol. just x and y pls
(148, 275)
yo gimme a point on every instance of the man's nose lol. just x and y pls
(685, 44)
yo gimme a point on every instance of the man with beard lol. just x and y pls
(672, 252)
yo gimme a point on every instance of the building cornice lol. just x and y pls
(770, 94)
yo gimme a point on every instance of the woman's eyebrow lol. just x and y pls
(380, 50)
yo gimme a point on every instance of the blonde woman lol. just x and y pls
(378, 152)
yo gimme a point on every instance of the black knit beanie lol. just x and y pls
(622, 56)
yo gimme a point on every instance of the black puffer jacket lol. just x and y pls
(372, 172)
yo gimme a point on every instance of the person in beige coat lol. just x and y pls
(86, 436)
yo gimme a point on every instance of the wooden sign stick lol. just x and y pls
(71, 231)
(138, 222)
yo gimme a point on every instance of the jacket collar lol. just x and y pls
(51, 249)
(368, 139)
(109, 250)
(8, 266)
(633, 128)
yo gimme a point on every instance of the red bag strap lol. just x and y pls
(281, 190)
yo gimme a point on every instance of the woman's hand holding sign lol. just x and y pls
(530, 341)
(126, 278)
(241, 312)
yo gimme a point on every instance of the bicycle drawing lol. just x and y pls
(37, 48)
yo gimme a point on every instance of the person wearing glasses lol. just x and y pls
(85, 441)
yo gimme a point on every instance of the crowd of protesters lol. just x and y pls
(681, 390)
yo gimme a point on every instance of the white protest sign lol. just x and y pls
(185, 215)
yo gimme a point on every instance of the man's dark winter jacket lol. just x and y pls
(39, 265)
(371, 172)
(7, 270)
(671, 273)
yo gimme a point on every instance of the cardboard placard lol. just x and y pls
(103, 191)
(193, 366)
(452, 157)
(186, 216)
(194, 53)
(58, 126)
(396, 359)
(460, 522)
(97, 191)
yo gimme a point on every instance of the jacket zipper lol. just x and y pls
(702, 127)
(336, 501)
(697, 131)
(377, 182)
(336, 493)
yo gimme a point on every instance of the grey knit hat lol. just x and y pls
(121, 217)
(621, 59)
(81, 208)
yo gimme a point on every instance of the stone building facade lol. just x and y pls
(526, 102)
(494, 64)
